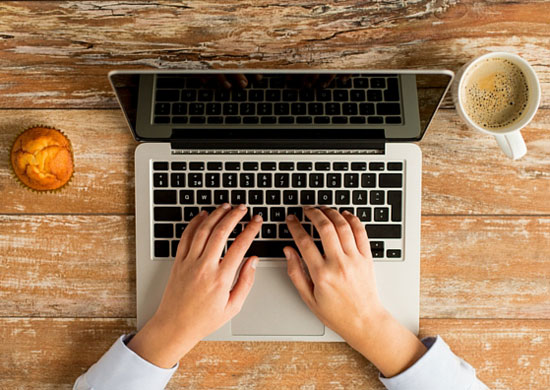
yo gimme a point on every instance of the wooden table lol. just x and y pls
(67, 260)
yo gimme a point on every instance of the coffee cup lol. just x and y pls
(498, 94)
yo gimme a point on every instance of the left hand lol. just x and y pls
(198, 298)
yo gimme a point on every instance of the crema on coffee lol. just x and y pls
(495, 93)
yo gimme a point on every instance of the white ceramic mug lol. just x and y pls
(509, 138)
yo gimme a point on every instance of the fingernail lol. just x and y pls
(227, 84)
(255, 262)
(203, 213)
(226, 206)
(308, 208)
(242, 207)
(286, 252)
(290, 217)
(243, 83)
(258, 218)
(346, 212)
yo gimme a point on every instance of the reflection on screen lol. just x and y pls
(393, 106)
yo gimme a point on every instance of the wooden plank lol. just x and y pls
(84, 266)
(48, 354)
(64, 63)
(457, 177)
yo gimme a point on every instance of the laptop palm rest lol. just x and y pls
(274, 307)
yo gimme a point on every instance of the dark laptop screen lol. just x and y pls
(350, 105)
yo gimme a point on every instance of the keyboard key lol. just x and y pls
(298, 108)
(230, 109)
(256, 95)
(179, 166)
(374, 120)
(332, 108)
(324, 95)
(340, 95)
(284, 232)
(232, 166)
(393, 120)
(381, 214)
(196, 109)
(377, 82)
(187, 197)
(164, 230)
(221, 196)
(390, 180)
(196, 166)
(395, 201)
(269, 166)
(238, 95)
(250, 166)
(180, 228)
(334, 180)
(215, 120)
(273, 95)
(170, 82)
(273, 197)
(358, 166)
(359, 197)
(364, 214)
(238, 197)
(233, 120)
(374, 95)
(377, 245)
(306, 95)
(269, 230)
(342, 83)
(286, 166)
(222, 95)
(339, 120)
(189, 213)
(395, 166)
(162, 109)
(348, 209)
(229, 180)
(251, 120)
(340, 166)
(213, 109)
(282, 180)
(264, 180)
(322, 166)
(368, 180)
(236, 231)
(377, 197)
(393, 253)
(204, 197)
(177, 179)
(299, 180)
(316, 180)
(361, 82)
(357, 120)
(212, 180)
(160, 166)
(264, 109)
(160, 179)
(351, 180)
(162, 248)
(297, 211)
(377, 253)
(357, 95)
(315, 109)
(167, 214)
(322, 120)
(246, 180)
(268, 120)
(248, 109)
(349, 109)
(366, 109)
(392, 93)
(277, 82)
(384, 231)
(376, 166)
(277, 214)
(388, 109)
(188, 95)
(214, 166)
(286, 120)
(165, 197)
(342, 197)
(304, 120)
(261, 211)
(205, 95)
(304, 166)
(256, 197)
(290, 197)
(324, 197)
(195, 180)
(272, 248)
(307, 197)
(168, 95)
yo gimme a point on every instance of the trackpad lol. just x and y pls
(274, 307)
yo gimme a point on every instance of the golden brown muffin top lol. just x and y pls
(42, 158)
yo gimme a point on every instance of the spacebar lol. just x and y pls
(272, 249)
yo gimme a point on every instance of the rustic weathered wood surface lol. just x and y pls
(67, 290)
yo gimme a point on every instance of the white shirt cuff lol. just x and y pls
(120, 368)
(439, 368)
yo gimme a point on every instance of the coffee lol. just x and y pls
(495, 93)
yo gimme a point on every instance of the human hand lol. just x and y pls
(341, 290)
(198, 298)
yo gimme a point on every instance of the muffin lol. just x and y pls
(42, 158)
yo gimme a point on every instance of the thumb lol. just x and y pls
(243, 285)
(298, 276)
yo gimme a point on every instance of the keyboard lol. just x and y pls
(275, 187)
(278, 100)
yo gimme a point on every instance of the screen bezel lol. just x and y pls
(296, 135)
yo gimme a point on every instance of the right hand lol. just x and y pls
(341, 290)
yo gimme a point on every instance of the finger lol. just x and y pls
(326, 80)
(326, 230)
(310, 253)
(343, 229)
(240, 80)
(242, 287)
(298, 276)
(238, 248)
(359, 232)
(188, 233)
(223, 81)
(204, 231)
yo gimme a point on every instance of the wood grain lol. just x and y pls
(507, 355)
(64, 62)
(464, 172)
(471, 267)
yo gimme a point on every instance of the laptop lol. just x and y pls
(279, 141)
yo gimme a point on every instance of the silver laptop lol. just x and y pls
(284, 140)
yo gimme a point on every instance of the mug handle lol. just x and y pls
(512, 144)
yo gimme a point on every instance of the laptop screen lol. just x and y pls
(355, 105)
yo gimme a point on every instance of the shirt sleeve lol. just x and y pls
(439, 368)
(120, 368)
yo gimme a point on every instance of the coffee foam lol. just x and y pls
(495, 93)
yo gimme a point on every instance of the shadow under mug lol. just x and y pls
(509, 138)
